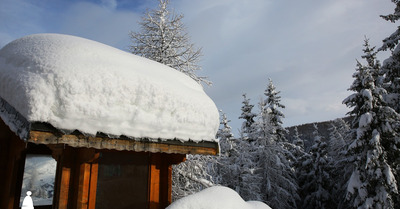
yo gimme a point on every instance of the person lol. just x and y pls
(28, 202)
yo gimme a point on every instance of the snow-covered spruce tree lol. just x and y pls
(279, 186)
(296, 148)
(339, 164)
(297, 141)
(236, 166)
(192, 176)
(372, 183)
(336, 141)
(391, 66)
(248, 117)
(261, 129)
(391, 70)
(163, 39)
(225, 136)
(279, 180)
(246, 165)
(199, 171)
(225, 171)
(273, 104)
(314, 176)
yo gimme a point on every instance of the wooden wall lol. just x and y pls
(12, 161)
(76, 180)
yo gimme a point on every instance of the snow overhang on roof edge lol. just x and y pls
(14, 120)
(28, 131)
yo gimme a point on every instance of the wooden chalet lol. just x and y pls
(101, 171)
(94, 171)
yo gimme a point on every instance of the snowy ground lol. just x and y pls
(217, 197)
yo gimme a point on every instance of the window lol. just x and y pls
(39, 176)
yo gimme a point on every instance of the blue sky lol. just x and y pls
(308, 48)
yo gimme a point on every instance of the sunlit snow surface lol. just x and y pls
(75, 83)
(217, 197)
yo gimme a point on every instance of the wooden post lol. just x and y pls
(65, 158)
(84, 185)
(160, 179)
(87, 179)
(93, 183)
(165, 184)
(154, 182)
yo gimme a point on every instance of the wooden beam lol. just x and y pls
(169, 146)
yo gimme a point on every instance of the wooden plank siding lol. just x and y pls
(77, 171)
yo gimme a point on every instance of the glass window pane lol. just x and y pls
(39, 176)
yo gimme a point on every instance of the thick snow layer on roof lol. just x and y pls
(78, 84)
(217, 197)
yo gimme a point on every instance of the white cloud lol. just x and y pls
(111, 4)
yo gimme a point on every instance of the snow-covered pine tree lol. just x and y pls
(339, 163)
(391, 70)
(261, 128)
(248, 116)
(199, 171)
(279, 180)
(336, 141)
(250, 174)
(314, 176)
(279, 186)
(192, 176)
(245, 163)
(391, 66)
(226, 171)
(163, 39)
(372, 183)
(296, 149)
(297, 141)
(273, 103)
(225, 136)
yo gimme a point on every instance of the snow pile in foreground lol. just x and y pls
(217, 197)
(75, 83)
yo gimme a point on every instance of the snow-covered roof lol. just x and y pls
(74, 83)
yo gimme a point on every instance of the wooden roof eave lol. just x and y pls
(154, 146)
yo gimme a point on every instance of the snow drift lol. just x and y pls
(78, 84)
(217, 197)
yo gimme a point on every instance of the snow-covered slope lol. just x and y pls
(217, 197)
(75, 83)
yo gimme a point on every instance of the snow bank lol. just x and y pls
(75, 83)
(217, 197)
